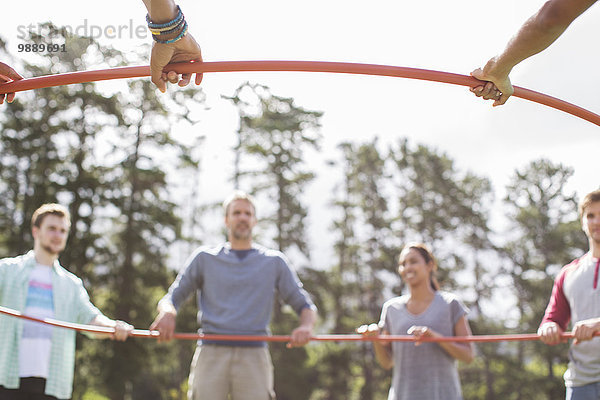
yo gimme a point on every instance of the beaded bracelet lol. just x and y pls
(179, 37)
(167, 25)
(176, 24)
(169, 31)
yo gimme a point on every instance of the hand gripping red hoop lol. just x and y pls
(297, 66)
(282, 338)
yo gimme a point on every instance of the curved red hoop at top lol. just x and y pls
(295, 66)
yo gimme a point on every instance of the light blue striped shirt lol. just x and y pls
(71, 304)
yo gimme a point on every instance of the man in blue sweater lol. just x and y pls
(236, 284)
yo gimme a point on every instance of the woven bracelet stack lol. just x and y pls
(176, 25)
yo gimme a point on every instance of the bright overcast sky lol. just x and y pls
(452, 36)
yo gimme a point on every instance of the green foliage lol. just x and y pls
(275, 140)
(104, 156)
(91, 395)
(547, 236)
(110, 158)
(442, 207)
(362, 255)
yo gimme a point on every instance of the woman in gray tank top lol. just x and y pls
(422, 370)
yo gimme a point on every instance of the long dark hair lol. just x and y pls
(428, 257)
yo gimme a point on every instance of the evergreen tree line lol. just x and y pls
(112, 159)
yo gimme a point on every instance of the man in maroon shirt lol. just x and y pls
(576, 297)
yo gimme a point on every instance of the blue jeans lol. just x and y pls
(585, 392)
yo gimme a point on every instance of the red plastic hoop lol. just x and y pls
(297, 66)
(281, 338)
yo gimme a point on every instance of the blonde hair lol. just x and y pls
(427, 255)
(49, 209)
(238, 195)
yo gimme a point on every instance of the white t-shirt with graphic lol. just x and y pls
(36, 341)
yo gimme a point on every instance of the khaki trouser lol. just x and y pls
(244, 373)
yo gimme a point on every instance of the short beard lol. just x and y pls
(49, 250)
(238, 236)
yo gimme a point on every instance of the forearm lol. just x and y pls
(460, 351)
(172, 43)
(122, 329)
(104, 321)
(383, 354)
(585, 330)
(593, 323)
(161, 11)
(558, 310)
(308, 318)
(186, 283)
(538, 32)
(165, 305)
(303, 333)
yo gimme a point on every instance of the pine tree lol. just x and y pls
(106, 157)
(273, 142)
(545, 234)
(449, 210)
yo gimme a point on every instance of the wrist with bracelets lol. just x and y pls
(163, 33)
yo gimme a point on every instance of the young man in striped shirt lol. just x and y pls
(36, 360)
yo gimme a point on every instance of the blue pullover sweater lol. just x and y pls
(235, 296)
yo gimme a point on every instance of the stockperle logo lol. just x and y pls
(85, 29)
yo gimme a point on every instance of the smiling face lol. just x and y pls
(51, 235)
(413, 267)
(240, 220)
(590, 222)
